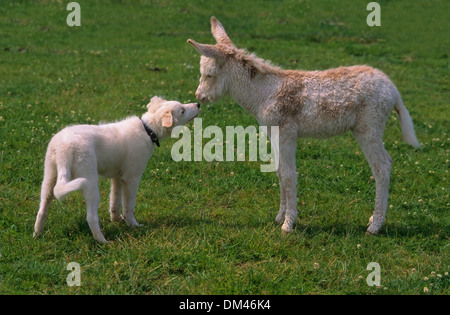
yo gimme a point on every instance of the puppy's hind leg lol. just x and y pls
(46, 196)
(92, 195)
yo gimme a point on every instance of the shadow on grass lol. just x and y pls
(394, 230)
(114, 230)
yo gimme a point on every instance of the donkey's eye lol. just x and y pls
(209, 76)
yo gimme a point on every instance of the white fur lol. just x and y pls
(315, 104)
(77, 155)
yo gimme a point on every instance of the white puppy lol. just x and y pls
(120, 151)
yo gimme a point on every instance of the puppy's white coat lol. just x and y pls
(77, 155)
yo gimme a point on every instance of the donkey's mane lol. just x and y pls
(255, 64)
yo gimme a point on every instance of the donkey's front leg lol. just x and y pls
(275, 145)
(288, 182)
(282, 212)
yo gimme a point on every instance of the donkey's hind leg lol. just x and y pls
(380, 163)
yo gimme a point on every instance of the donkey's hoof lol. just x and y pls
(117, 218)
(370, 221)
(287, 228)
(279, 219)
(372, 230)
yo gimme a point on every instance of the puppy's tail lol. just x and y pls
(64, 184)
(408, 134)
(63, 188)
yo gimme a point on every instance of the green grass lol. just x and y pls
(209, 227)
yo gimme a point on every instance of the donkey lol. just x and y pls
(316, 104)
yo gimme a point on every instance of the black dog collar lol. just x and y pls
(151, 133)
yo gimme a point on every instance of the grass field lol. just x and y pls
(209, 227)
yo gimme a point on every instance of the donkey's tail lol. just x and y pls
(406, 123)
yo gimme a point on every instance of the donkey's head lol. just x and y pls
(214, 64)
(224, 68)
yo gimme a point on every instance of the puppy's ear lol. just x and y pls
(154, 104)
(157, 99)
(167, 119)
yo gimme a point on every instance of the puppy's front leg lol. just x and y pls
(130, 187)
(115, 199)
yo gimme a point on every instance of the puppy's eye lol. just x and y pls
(182, 111)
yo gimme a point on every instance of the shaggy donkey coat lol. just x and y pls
(316, 104)
(77, 155)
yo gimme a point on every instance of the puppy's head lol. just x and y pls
(164, 115)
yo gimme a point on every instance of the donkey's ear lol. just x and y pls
(210, 51)
(219, 32)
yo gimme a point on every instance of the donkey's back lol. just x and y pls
(334, 101)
